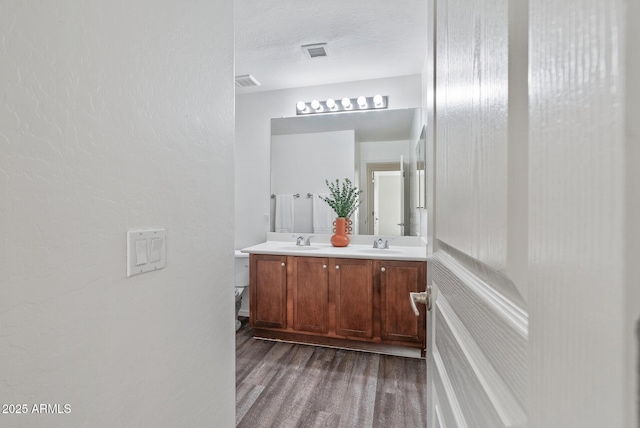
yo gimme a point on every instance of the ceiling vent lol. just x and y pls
(316, 50)
(246, 81)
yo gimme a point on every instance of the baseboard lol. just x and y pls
(332, 342)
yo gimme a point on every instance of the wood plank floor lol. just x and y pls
(283, 385)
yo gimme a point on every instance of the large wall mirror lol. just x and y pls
(381, 152)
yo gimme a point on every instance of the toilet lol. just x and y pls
(241, 280)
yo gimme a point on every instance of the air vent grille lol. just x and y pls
(316, 50)
(246, 81)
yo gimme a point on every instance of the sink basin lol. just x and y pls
(297, 248)
(379, 251)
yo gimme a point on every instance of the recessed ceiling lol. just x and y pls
(366, 39)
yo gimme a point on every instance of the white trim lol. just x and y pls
(454, 404)
(509, 312)
(505, 404)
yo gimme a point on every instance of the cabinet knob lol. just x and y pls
(337, 267)
(383, 269)
(324, 266)
(282, 264)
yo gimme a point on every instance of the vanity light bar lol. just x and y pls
(345, 104)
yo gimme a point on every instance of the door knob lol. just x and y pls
(422, 298)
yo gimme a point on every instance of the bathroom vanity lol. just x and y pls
(355, 297)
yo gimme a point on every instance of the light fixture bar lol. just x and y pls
(331, 105)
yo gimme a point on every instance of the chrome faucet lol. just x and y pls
(300, 241)
(380, 244)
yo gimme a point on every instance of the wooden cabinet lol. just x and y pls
(268, 291)
(354, 303)
(397, 320)
(308, 282)
(345, 302)
(321, 287)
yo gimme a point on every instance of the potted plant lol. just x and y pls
(344, 198)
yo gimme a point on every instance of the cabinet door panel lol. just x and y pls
(268, 288)
(354, 297)
(310, 289)
(397, 280)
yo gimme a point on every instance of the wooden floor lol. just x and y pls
(283, 385)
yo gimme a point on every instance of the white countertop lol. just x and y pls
(353, 250)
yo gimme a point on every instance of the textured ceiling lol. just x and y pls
(366, 39)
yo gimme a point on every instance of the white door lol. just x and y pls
(533, 208)
(387, 194)
(477, 337)
(387, 203)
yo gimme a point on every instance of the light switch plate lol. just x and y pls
(146, 250)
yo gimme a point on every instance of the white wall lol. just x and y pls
(253, 121)
(114, 115)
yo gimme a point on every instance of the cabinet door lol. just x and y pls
(397, 320)
(268, 289)
(353, 284)
(309, 284)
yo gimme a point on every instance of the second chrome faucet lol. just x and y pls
(381, 244)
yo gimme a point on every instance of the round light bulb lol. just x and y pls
(315, 104)
(377, 100)
(301, 106)
(346, 102)
(331, 103)
(362, 102)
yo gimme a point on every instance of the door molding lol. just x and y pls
(511, 313)
(448, 393)
(479, 339)
(505, 404)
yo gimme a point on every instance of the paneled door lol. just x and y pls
(477, 330)
(534, 199)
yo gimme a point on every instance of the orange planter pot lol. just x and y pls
(340, 238)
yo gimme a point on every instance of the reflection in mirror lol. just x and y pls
(421, 163)
(377, 150)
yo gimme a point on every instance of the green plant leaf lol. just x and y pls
(344, 197)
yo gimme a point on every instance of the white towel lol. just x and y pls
(323, 215)
(284, 213)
